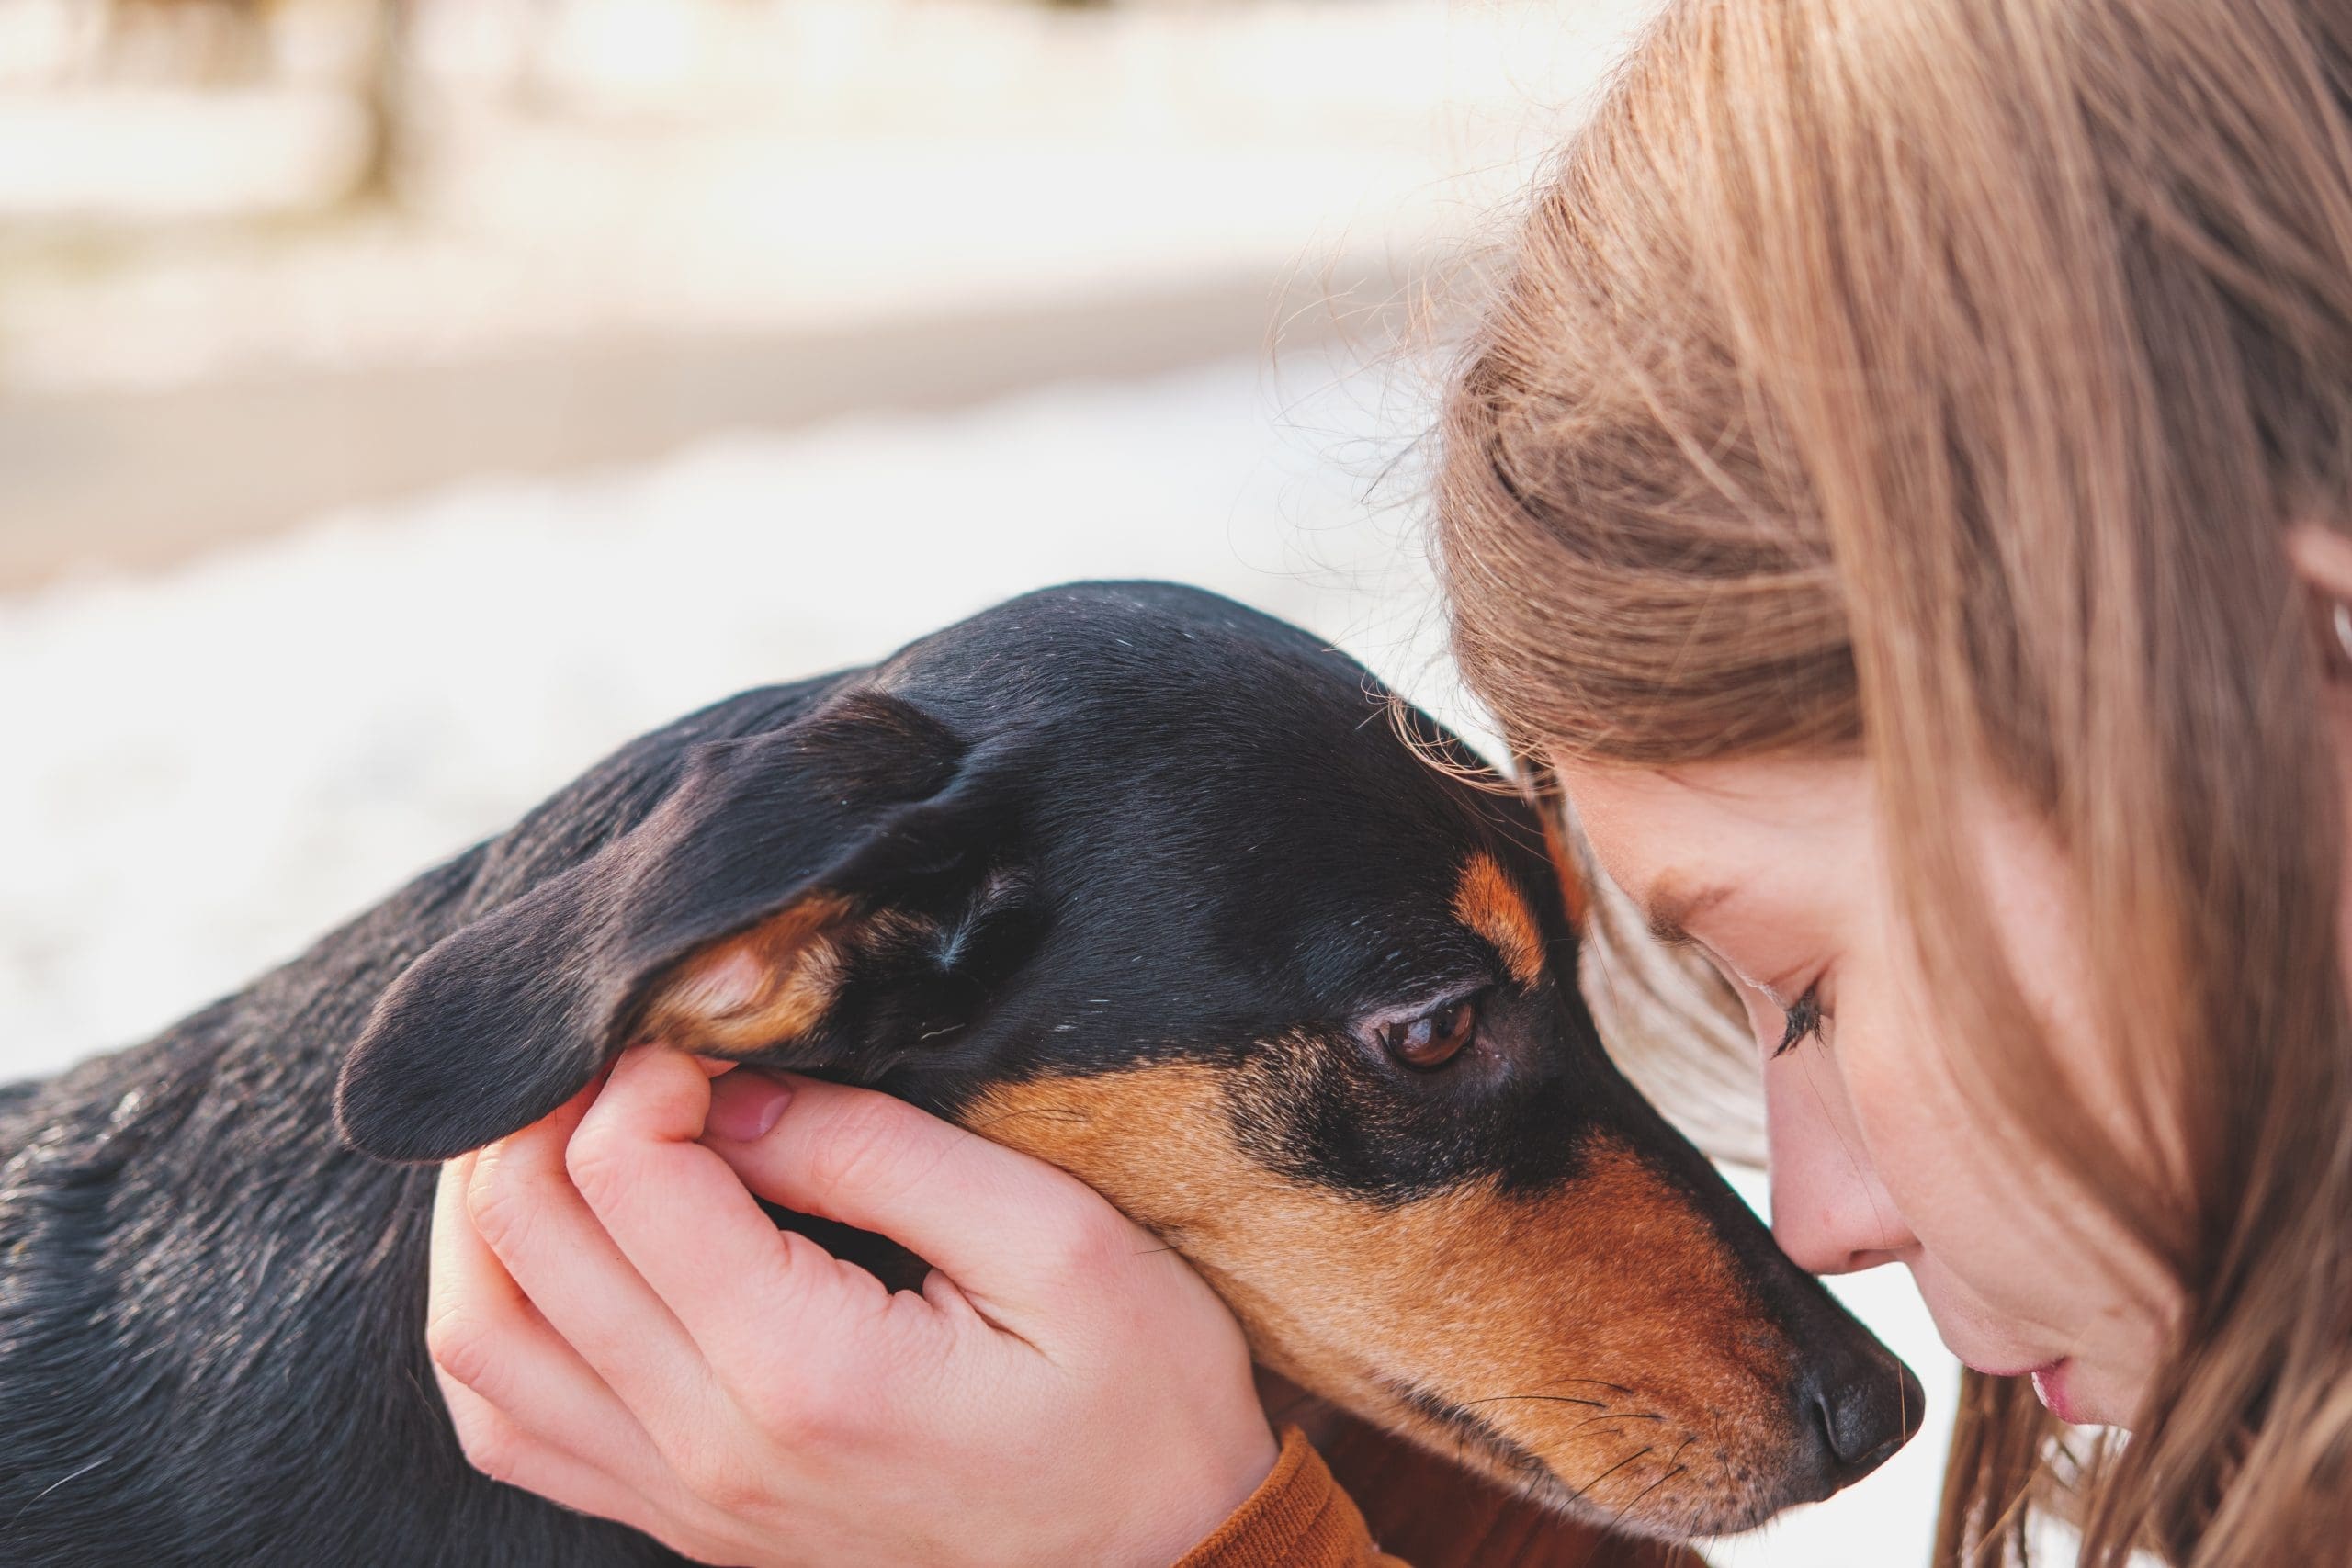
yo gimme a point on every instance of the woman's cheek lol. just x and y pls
(1989, 1224)
(1911, 1131)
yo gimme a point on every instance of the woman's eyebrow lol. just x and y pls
(1672, 902)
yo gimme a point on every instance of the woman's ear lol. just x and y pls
(2322, 560)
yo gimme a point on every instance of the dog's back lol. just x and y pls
(211, 1312)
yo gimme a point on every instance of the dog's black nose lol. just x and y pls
(1855, 1412)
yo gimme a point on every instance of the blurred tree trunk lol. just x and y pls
(205, 42)
(385, 94)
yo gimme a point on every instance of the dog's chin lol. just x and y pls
(1654, 1501)
(1654, 1511)
(1658, 1517)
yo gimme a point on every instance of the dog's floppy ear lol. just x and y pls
(728, 922)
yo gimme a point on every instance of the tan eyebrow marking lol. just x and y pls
(1488, 904)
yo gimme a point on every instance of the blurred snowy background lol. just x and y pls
(404, 401)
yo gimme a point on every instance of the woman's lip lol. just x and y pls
(2014, 1372)
(2050, 1387)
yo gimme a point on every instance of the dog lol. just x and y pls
(1125, 876)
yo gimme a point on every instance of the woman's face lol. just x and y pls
(1775, 870)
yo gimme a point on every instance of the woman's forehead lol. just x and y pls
(1653, 820)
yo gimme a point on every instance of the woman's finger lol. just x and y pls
(522, 1201)
(1010, 1230)
(687, 1224)
(486, 1339)
(503, 1450)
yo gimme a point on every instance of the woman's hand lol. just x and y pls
(616, 1326)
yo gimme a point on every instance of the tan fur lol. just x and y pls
(768, 985)
(1488, 903)
(1600, 1327)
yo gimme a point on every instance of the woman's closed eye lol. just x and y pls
(1805, 1018)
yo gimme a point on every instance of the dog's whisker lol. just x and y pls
(1639, 1497)
(1546, 1398)
(1613, 1469)
(1626, 1416)
(1592, 1383)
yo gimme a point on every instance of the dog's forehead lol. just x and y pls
(1216, 782)
(1299, 870)
(1329, 886)
(1279, 755)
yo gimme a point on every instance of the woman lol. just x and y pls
(1903, 491)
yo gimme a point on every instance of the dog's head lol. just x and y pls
(1145, 884)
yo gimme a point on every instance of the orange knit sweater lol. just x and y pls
(1298, 1517)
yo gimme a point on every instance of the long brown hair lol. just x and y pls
(1938, 382)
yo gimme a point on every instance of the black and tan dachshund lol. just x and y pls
(1126, 876)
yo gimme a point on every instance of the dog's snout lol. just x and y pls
(1855, 1411)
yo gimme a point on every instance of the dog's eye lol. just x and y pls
(1434, 1038)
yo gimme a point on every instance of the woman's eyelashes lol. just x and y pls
(1804, 1020)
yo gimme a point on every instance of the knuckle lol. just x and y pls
(719, 1477)
(491, 1447)
(813, 1411)
(731, 1493)
(1088, 1244)
(462, 1344)
(595, 1159)
(498, 1199)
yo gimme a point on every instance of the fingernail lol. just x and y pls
(744, 1105)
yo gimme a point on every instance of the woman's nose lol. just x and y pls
(1830, 1213)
